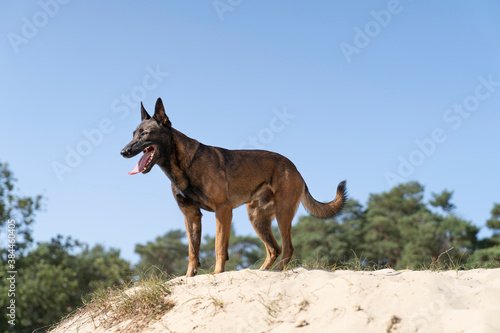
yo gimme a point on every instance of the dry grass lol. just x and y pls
(131, 306)
(444, 262)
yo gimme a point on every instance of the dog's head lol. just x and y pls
(149, 136)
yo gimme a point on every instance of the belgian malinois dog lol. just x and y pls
(219, 180)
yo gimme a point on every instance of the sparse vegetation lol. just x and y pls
(217, 302)
(136, 304)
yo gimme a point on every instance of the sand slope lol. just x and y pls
(301, 300)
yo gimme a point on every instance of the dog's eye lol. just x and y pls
(144, 133)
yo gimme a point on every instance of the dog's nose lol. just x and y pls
(125, 152)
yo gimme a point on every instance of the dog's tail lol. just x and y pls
(325, 210)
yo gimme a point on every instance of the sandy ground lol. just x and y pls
(302, 300)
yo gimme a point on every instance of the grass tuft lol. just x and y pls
(448, 260)
(132, 306)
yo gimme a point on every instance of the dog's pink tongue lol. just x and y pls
(136, 170)
(141, 164)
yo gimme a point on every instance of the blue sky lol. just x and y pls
(374, 92)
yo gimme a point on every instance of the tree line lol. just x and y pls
(395, 229)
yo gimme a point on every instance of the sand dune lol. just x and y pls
(301, 300)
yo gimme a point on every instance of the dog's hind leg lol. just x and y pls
(223, 217)
(285, 212)
(261, 214)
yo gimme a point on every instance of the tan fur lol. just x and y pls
(219, 180)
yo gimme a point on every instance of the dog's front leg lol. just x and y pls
(223, 216)
(192, 218)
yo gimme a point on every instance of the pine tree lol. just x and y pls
(488, 254)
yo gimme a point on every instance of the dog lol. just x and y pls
(218, 180)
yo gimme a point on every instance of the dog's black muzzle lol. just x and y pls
(126, 152)
(134, 148)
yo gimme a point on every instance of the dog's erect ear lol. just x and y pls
(160, 115)
(144, 113)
